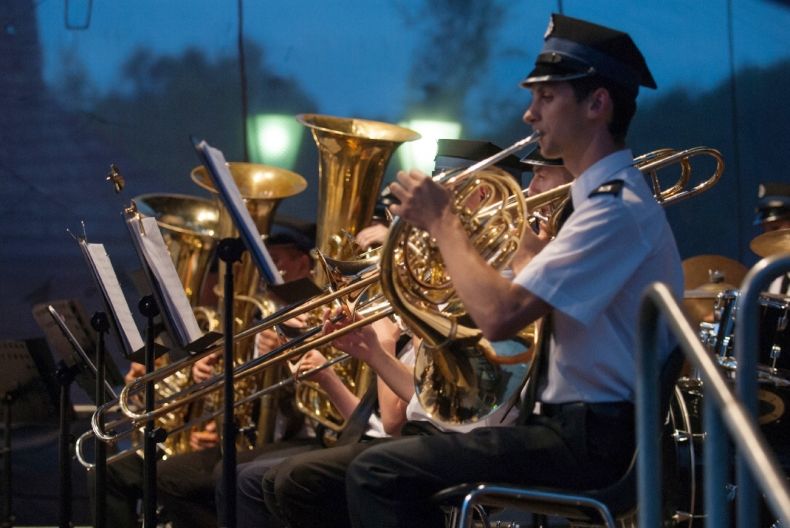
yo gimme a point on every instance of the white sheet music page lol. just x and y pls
(229, 192)
(161, 265)
(108, 281)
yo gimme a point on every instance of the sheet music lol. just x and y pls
(108, 282)
(149, 241)
(215, 163)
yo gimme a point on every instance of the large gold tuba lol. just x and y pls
(262, 187)
(353, 157)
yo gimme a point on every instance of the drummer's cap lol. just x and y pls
(574, 49)
(536, 159)
(773, 202)
(461, 153)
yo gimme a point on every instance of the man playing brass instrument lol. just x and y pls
(589, 279)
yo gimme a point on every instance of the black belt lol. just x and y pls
(617, 409)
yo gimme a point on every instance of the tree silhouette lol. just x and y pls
(165, 99)
(457, 38)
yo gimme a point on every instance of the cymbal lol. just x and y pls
(697, 271)
(771, 243)
(707, 291)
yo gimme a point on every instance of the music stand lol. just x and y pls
(70, 336)
(27, 381)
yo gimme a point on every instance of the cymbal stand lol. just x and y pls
(229, 251)
(101, 324)
(152, 435)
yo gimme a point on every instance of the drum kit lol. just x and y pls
(711, 302)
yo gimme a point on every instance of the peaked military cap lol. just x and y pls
(773, 202)
(288, 231)
(458, 153)
(536, 158)
(574, 49)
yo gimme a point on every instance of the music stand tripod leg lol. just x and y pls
(150, 310)
(101, 324)
(8, 516)
(65, 376)
(229, 251)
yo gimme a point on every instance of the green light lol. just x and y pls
(421, 153)
(274, 139)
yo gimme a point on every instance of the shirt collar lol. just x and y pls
(599, 173)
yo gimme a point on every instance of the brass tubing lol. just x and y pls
(84, 437)
(200, 390)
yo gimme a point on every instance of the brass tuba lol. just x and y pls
(353, 157)
(262, 187)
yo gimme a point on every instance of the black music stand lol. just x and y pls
(72, 339)
(27, 381)
(102, 391)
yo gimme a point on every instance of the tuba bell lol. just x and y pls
(353, 157)
(262, 187)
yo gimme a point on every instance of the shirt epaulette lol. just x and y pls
(611, 187)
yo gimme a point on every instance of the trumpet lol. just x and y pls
(426, 313)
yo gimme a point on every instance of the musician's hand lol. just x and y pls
(135, 371)
(423, 202)
(372, 236)
(208, 437)
(361, 343)
(266, 341)
(312, 359)
(203, 369)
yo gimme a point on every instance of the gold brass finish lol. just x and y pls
(353, 157)
(262, 188)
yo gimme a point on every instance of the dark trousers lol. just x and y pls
(309, 489)
(250, 508)
(185, 488)
(390, 483)
(124, 487)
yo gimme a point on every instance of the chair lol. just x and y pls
(591, 507)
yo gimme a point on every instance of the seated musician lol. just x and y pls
(309, 489)
(588, 279)
(186, 483)
(251, 510)
(773, 214)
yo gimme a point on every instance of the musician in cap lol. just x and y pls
(588, 279)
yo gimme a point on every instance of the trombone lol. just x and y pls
(355, 286)
(351, 294)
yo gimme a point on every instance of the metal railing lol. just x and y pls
(724, 411)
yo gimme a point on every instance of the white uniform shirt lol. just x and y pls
(593, 275)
